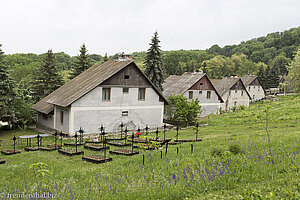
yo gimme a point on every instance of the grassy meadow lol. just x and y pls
(211, 171)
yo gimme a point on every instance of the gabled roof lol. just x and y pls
(84, 83)
(224, 85)
(248, 79)
(176, 85)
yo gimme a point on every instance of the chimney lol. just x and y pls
(122, 56)
(234, 76)
(198, 71)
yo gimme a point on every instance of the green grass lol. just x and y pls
(250, 174)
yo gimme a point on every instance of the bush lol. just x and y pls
(235, 149)
(217, 152)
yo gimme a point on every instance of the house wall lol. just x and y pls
(43, 123)
(58, 125)
(255, 90)
(232, 96)
(200, 89)
(208, 106)
(90, 111)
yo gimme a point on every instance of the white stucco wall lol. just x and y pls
(256, 92)
(47, 124)
(208, 106)
(90, 111)
(58, 125)
(235, 96)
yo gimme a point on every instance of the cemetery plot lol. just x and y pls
(2, 161)
(96, 147)
(10, 152)
(31, 148)
(119, 144)
(124, 152)
(70, 152)
(183, 140)
(96, 159)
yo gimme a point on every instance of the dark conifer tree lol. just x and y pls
(7, 94)
(47, 78)
(105, 58)
(82, 62)
(153, 63)
(273, 77)
(262, 76)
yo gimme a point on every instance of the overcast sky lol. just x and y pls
(112, 26)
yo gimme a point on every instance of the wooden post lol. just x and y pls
(177, 129)
(38, 140)
(197, 125)
(143, 159)
(122, 125)
(126, 135)
(167, 147)
(156, 134)
(76, 140)
(14, 139)
(177, 150)
(147, 128)
(161, 155)
(192, 148)
(165, 126)
(132, 141)
(55, 135)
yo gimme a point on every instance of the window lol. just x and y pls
(190, 94)
(258, 88)
(200, 92)
(126, 76)
(235, 91)
(235, 103)
(125, 90)
(142, 94)
(254, 87)
(45, 117)
(125, 113)
(208, 94)
(229, 93)
(242, 93)
(61, 117)
(249, 88)
(201, 83)
(106, 94)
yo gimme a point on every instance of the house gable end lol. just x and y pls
(129, 76)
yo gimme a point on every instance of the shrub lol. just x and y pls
(235, 149)
(217, 152)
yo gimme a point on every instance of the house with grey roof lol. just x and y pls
(232, 91)
(109, 93)
(254, 87)
(194, 85)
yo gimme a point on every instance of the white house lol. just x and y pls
(254, 87)
(108, 94)
(194, 85)
(232, 91)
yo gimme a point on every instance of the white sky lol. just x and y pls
(112, 26)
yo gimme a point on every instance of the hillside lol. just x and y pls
(211, 171)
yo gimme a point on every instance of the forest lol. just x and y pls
(267, 56)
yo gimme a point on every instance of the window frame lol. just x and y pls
(124, 90)
(106, 94)
(191, 94)
(142, 94)
(208, 94)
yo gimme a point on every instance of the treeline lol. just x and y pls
(265, 56)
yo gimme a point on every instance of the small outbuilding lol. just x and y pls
(105, 94)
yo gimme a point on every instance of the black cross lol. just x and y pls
(122, 125)
(197, 126)
(165, 126)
